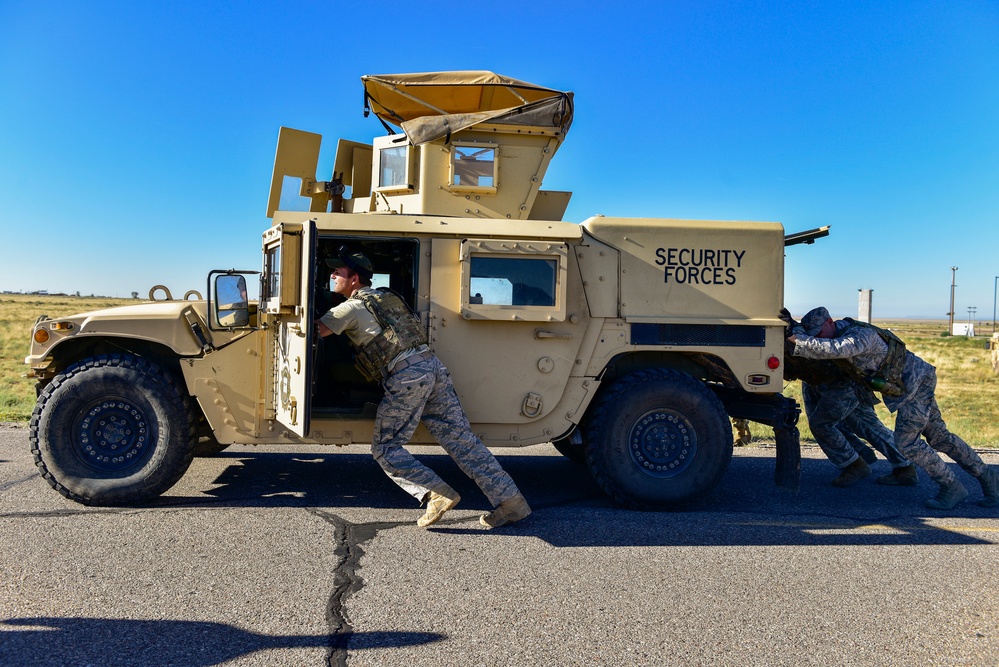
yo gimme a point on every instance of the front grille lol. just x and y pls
(704, 335)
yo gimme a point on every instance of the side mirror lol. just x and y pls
(232, 308)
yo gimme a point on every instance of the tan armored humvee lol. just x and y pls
(629, 343)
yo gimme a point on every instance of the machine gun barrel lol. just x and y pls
(806, 237)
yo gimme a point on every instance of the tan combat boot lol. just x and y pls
(903, 476)
(853, 473)
(990, 487)
(441, 500)
(949, 495)
(508, 511)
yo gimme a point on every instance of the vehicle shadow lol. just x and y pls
(54, 642)
(570, 510)
(335, 480)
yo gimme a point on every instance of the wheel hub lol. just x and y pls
(662, 443)
(113, 435)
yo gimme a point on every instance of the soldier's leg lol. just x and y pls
(396, 420)
(858, 445)
(865, 422)
(911, 419)
(956, 448)
(742, 428)
(446, 420)
(942, 440)
(867, 425)
(825, 410)
(921, 414)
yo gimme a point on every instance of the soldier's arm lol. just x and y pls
(340, 319)
(842, 347)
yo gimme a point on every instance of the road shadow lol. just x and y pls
(56, 642)
(746, 508)
(335, 480)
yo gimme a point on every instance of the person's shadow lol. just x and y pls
(51, 642)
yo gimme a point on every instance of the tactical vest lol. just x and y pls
(888, 377)
(400, 332)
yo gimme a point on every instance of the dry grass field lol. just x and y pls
(18, 313)
(967, 389)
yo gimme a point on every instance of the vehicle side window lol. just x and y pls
(513, 281)
(505, 280)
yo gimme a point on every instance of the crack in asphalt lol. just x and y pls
(346, 580)
(348, 538)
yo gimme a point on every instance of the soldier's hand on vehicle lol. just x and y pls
(785, 316)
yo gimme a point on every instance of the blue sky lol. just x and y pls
(138, 138)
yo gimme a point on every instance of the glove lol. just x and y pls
(785, 316)
(793, 327)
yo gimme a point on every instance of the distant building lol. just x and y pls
(865, 305)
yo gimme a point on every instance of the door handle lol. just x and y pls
(541, 333)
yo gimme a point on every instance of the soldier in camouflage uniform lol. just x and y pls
(391, 346)
(907, 385)
(838, 411)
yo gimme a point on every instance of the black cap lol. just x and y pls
(354, 261)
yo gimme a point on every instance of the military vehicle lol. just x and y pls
(629, 343)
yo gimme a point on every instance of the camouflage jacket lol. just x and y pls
(864, 348)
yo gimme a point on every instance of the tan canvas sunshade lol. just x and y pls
(431, 105)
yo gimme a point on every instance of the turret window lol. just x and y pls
(474, 167)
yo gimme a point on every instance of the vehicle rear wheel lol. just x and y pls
(113, 430)
(658, 438)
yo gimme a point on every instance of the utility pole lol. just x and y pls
(994, 286)
(950, 315)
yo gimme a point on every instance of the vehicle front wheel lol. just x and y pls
(658, 438)
(113, 430)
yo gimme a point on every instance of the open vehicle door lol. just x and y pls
(289, 279)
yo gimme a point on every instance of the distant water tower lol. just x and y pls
(864, 305)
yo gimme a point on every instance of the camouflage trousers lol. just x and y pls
(837, 416)
(920, 415)
(423, 391)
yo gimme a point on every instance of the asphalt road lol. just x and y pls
(269, 556)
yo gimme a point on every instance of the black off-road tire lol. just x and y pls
(658, 438)
(113, 430)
